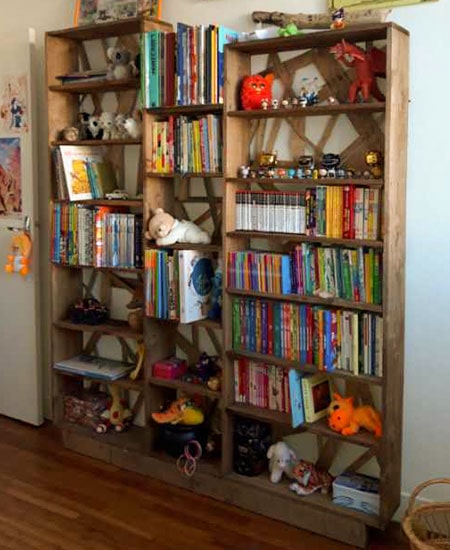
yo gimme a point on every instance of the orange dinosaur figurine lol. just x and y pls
(345, 418)
(20, 252)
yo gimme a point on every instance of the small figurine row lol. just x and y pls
(329, 167)
(106, 126)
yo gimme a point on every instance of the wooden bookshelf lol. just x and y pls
(185, 387)
(111, 328)
(215, 108)
(317, 110)
(125, 383)
(129, 203)
(98, 142)
(97, 86)
(310, 183)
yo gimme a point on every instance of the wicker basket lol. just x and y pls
(427, 526)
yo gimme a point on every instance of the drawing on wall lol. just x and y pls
(14, 104)
(10, 177)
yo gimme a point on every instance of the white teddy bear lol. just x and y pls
(167, 230)
(107, 123)
(282, 459)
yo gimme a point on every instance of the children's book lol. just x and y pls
(196, 274)
(74, 160)
(95, 367)
(296, 395)
(317, 393)
(102, 178)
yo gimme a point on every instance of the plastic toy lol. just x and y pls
(244, 171)
(255, 89)
(107, 124)
(117, 416)
(289, 30)
(374, 159)
(88, 311)
(347, 419)
(309, 479)
(19, 256)
(368, 65)
(338, 19)
(182, 411)
(306, 163)
(120, 64)
(117, 194)
(264, 104)
(275, 103)
(282, 460)
(329, 162)
(308, 93)
(167, 230)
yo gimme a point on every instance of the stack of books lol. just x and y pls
(79, 77)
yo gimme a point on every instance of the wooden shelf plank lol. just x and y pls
(101, 30)
(304, 182)
(293, 237)
(205, 323)
(111, 328)
(127, 269)
(186, 110)
(285, 363)
(320, 427)
(97, 86)
(185, 387)
(320, 39)
(317, 500)
(98, 142)
(332, 302)
(187, 246)
(132, 439)
(125, 383)
(317, 110)
(187, 175)
(131, 203)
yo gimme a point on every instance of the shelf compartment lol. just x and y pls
(319, 39)
(333, 302)
(187, 175)
(205, 323)
(263, 483)
(97, 86)
(207, 466)
(186, 110)
(111, 328)
(185, 387)
(126, 269)
(294, 237)
(304, 182)
(132, 439)
(131, 203)
(187, 246)
(98, 142)
(125, 383)
(287, 364)
(320, 427)
(317, 110)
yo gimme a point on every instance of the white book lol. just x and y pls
(195, 276)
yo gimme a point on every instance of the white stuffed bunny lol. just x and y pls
(282, 459)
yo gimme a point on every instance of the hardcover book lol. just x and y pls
(74, 160)
(296, 395)
(317, 392)
(94, 367)
(196, 273)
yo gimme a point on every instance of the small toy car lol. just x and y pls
(117, 194)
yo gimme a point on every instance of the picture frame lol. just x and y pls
(89, 12)
(150, 8)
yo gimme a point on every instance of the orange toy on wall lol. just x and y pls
(256, 88)
(345, 418)
(20, 254)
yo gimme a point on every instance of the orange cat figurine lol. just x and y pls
(256, 88)
(345, 418)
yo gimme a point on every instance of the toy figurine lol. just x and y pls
(308, 93)
(181, 411)
(117, 416)
(368, 65)
(291, 173)
(254, 89)
(306, 163)
(299, 173)
(20, 253)
(294, 102)
(275, 103)
(264, 104)
(244, 171)
(285, 103)
(345, 418)
(289, 30)
(309, 479)
(338, 19)
(329, 162)
(281, 173)
(374, 160)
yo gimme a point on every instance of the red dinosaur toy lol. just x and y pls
(368, 65)
(345, 418)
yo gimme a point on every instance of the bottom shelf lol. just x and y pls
(132, 439)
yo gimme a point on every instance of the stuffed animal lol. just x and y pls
(117, 416)
(133, 127)
(119, 123)
(19, 256)
(180, 411)
(119, 66)
(347, 419)
(83, 125)
(94, 126)
(309, 479)
(282, 459)
(256, 88)
(167, 230)
(107, 124)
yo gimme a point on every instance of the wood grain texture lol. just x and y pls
(52, 498)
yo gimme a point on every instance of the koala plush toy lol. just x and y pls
(166, 230)
(120, 66)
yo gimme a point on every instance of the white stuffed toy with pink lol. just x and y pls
(166, 230)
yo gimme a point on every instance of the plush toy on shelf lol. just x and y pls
(309, 479)
(254, 90)
(133, 127)
(180, 411)
(120, 64)
(107, 124)
(166, 230)
(345, 418)
(282, 460)
(20, 253)
(117, 416)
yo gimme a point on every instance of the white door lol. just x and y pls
(20, 379)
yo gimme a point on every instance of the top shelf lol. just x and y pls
(316, 110)
(319, 39)
(187, 109)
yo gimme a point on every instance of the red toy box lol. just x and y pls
(171, 368)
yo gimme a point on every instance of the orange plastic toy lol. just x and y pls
(345, 418)
(20, 254)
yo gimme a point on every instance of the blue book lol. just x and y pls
(224, 36)
(296, 395)
(286, 275)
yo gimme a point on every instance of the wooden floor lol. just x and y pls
(51, 498)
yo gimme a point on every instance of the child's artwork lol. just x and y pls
(151, 8)
(14, 104)
(10, 177)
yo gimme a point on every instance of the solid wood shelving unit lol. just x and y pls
(137, 450)
(98, 142)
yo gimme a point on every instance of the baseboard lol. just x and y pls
(404, 502)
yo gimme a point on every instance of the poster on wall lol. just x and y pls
(10, 177)
(14, 104)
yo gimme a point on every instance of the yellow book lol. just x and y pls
(328, 211)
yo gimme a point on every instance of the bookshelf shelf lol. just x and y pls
(97, 86)
(335, 302)
(292, 237)
(129, 440)
(98, 142)
(186, 110)
(186, 175)
(125, 383)
(130, 203)
(188, 246)
(113, 327)
(311, 369)
(100, 269)
(319, 110)
(304, 182)
(186, 387)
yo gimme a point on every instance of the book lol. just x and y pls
(102, 178)
(296, 395)
(74, 161)
(196, 273)
(100, 368)
(317, 392)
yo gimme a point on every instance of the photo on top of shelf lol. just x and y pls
(88, 12)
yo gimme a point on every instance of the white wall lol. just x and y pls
(426, 446)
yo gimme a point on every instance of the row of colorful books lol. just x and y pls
(186, 67)
(310, 270)
(185, 144)
(347, 212)
(96, 236)
(178, 284)
(82, 172)
(326, 338)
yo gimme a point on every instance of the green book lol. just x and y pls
(104, 177)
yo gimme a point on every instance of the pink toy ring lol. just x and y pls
(197, 447)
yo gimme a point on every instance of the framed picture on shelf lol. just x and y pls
(88, 12)
(150, 8)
